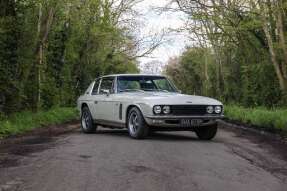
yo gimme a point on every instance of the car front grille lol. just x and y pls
(188, 109)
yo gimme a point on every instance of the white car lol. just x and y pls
(144, 103)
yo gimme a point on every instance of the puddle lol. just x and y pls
(85, 156)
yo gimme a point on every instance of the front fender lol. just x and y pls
(145, 109)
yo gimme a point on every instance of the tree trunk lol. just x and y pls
(206, 76)
(267, 28)
(43, 33)
(39, 61)
(282, 40)
(281, 79)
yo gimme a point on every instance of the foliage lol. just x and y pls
(239, 54)
(26, 120)
(251, 84)
(51, 50)
(268, 119)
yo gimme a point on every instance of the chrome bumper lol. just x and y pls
(174, 121)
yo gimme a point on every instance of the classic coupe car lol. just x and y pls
(144, 103)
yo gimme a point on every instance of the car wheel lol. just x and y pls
(136, 124)
(87, 124)
(206, 132)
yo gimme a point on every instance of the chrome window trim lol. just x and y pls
(94, 86)
(113, 86)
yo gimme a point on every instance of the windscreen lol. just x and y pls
(144, 83)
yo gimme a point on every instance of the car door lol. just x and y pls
(105, 103)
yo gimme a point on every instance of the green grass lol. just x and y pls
(274, 120)
(25, 121)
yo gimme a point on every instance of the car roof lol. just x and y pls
(116, 75)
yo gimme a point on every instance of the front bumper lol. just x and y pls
(175, 121)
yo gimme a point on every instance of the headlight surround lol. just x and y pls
(218, 109)
(209, 109)
(161, 109)
(166, 109)
(157, 109)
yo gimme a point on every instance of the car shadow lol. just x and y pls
(171, 136)
(113, 132)
(154, 136)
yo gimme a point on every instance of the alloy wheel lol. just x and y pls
(133, 123)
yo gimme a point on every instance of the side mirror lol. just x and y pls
(179, 91)
(105, 91)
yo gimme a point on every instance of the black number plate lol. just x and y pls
(191, 122)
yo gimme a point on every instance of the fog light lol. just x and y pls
(155, 121)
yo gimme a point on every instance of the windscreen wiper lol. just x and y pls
(132, 90)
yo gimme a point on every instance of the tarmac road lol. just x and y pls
(173, 161)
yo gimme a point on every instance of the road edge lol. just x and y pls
(227, 124)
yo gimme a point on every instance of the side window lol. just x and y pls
(107, 84)
(96, 86)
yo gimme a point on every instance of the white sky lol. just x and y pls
(152, 22)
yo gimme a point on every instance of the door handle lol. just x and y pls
(96, 102)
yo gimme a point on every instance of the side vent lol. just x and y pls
(121, 111)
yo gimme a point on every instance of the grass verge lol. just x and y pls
(273, 120)
(24, 121)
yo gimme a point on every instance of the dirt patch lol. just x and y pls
(47, 131)
(255, 128)
(275, 145)
(37, 140)
(273, 142)
(8, 162)
(140, 169)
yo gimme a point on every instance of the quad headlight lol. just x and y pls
(157, 109)
(209, 109)
(161, 109)
(217, 109)
(166, 109)
(214, 109)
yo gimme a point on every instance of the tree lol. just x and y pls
(9, 68)
(234, 32)
(51, 50)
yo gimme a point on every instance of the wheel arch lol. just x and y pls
(129, 108)
(84, 104)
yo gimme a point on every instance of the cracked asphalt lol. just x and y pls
(110, 160)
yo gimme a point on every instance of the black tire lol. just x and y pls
(206, 132)
(87, 123)
(137, 127)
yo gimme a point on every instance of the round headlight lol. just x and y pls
(166, 109)
(157, 109)
(217, 109)
(209, 109)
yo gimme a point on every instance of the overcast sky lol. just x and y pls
(152, 22)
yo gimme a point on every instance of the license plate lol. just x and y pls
(190, 122)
